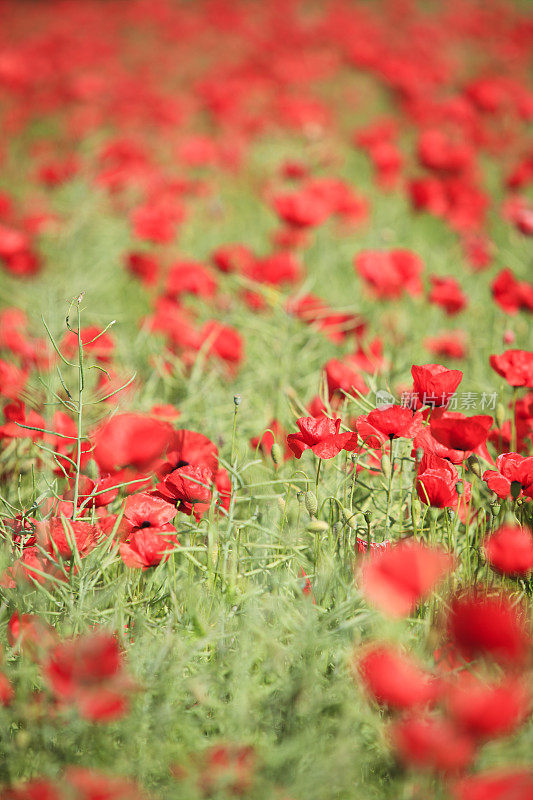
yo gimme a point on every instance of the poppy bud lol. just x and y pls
(516, 488)
(237, 399)
(474, 466)
(350, 518)
(459, 488)
(317, 526)
(385, 465)
(276, 453)
(311, 503)
(500, 414)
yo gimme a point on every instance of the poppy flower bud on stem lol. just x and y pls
(474, 465)
(311, 503)
(276, 453)
(317, 526)
(516, 488)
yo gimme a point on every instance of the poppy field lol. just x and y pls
(266, 392)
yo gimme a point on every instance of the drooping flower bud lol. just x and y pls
(516, 488)
(500, 414)
(311, 503)
(276, 453)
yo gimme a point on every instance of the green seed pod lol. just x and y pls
(516, 488)
(385, 465)
(300, 497)
(500, 414)
(368, 517)
(317, 526)
(474, 465)
(459, 488)
(237, 399)
(276, 453)
(311, 503)
(495, 509)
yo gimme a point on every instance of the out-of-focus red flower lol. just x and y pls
(449, 345)
(432, 744)
(227, 767)
(66, 536)
(511, 294)
(496, 784)
(516, 366)
(89, 673)
(397, 579)
(447, 293)
(485, 710)
(509, 550)
(190, 277)
(144, 267)
(341, 377)
(132, 440)
(482, 624)
(393, 678)
(390, 273)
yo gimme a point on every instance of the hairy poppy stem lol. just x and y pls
(79, 412)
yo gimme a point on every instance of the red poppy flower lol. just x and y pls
(393, 678)
(146, 548)
(497, 784)
(342, 377)
(322, 436)
(511, 294)
(509, 550)
(430, 743)
(435, 384)
(89, 672)
(35, 789)
(390, 274)
(189, 487)
(30, 634)
(447, 293)
(488, 625)
(144, 267)
(516, 366)
(488, 710)
(143, 511)
(397, 579)
(132, 440)
(436, 482)
(458, 432)
(190, 277)
(449, 345)
(510, 468)
(393, 422)
(189, 447)
(65, 535)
